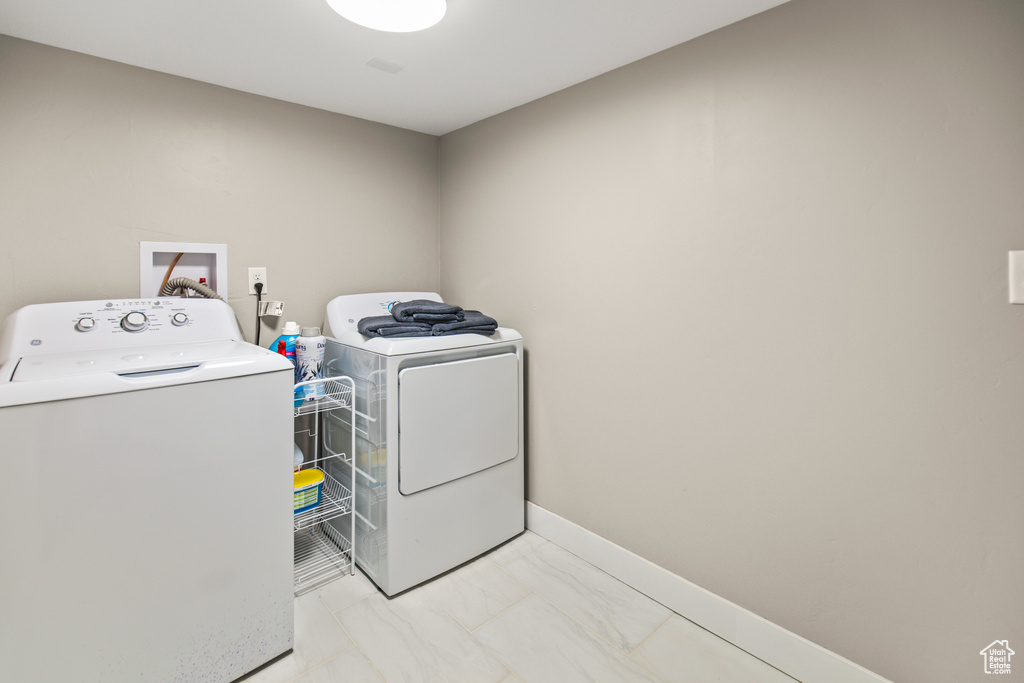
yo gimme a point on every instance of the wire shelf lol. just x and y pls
(335, 500)
(323, 552)
(321, 555)
(336, 394)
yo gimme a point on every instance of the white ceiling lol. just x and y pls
(485, 57)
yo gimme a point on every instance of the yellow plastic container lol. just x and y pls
(308, 484)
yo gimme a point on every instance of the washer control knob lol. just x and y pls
(85, 324)
(134, 322)
(179, 319)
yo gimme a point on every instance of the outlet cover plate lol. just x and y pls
(257, 275)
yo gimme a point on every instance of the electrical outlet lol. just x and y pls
(257, 275)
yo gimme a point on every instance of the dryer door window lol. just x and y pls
(455, 419)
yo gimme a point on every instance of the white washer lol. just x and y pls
(439, 454)
(145, 499)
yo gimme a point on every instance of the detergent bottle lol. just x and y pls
(285, 345)
(309, 350)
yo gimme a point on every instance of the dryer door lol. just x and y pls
(455, 419)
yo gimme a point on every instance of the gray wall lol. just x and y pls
(97, 156)
(762, 282)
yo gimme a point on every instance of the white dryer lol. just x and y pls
(146, 494)
(439, 442)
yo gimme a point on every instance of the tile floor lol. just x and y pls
(527, 611)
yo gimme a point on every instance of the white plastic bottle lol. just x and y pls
(309, 353)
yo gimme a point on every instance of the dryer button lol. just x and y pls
(85, 324)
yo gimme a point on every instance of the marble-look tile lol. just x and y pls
(521, 545)
(411, 638)
(682, 652)
(351, 667)
(619, 614)
(318, 638)
(542, 644)
(346, 590)
(476, 592)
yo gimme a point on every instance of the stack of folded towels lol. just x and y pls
(425, 318)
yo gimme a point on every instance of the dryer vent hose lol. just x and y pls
(188, 283)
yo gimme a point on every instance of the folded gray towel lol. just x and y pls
(426, 311)
(387, 326)
(475, 322)
(486, 331)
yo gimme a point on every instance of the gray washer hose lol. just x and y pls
(188, 283)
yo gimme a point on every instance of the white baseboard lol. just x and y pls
(786, 651)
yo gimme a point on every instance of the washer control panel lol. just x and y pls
(115, 323)
(146, 315)
(136, 320)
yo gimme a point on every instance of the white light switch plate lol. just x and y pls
(1017, 277)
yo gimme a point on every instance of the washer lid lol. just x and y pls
(70, 375)
(134, 362)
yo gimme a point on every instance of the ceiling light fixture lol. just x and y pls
(396, 16)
